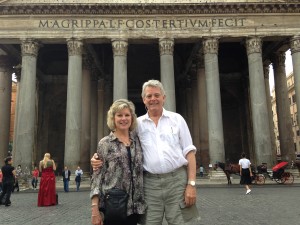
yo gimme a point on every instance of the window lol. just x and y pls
(298, 133)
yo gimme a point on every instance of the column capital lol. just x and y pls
(199, 59)
(295, 44)
(166, 46)
(278, 59)
(253, 45)
(119, 46)
(75, 47)
(266, 67)
(86, 60)
(211, 45)
(30, 47)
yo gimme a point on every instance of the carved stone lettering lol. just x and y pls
(126, 24)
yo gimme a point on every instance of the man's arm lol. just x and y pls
(190, 192)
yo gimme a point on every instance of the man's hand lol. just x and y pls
(190, 195)
(96, 163)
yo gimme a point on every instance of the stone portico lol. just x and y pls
(76, 57)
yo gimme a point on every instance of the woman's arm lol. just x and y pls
(54, 166)
(96, 215)
(40, 166)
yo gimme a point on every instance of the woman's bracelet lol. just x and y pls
(94, 205)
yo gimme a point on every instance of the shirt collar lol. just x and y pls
(165, 113)
(112, 136)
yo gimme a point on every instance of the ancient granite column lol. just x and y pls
(195, 106)
(120, 48)
(202, 104)
(189, 102)
(73, 114)
(5, 103)
(101, 114)
(94, 110)
(86, 111)
(166, 49)
(108, 99)
(283, 108)
(25, 127)
(260, 119)
(295, 49)
(269, 106)
(214, 109)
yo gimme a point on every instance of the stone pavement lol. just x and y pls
(218, 204)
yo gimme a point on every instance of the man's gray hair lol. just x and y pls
(153, 83)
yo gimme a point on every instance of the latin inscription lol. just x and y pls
(141, 24)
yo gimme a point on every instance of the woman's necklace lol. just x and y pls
(125, 140)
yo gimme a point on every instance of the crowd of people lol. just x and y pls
(47, 196)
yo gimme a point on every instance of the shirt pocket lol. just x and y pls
(170, 135)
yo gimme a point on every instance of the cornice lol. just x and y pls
(149, 9)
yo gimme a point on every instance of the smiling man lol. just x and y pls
(169, 161)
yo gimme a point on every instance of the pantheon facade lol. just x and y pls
(72, 59)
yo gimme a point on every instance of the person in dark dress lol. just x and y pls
(9, 174)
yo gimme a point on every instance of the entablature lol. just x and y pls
(113, 8)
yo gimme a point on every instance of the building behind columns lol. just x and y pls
(73, 59)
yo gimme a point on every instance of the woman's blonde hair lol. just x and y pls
(117, 106)
(46, 159)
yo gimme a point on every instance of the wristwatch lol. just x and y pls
(192, 183)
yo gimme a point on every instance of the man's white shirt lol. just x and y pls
(165, 145)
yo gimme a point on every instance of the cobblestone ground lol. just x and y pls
(218, 205)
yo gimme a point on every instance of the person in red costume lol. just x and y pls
(47, 191)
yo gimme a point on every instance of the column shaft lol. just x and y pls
(270, 113)
(166, 48)
(295, 49)
(73, 114)
(195, 108)
(261, 131)
(283, 108)
(120, 48)
(5, 104)
(25, 127)
(94, 112)
(100, 109)
(86, 113)
(214, 109)
(202, 104)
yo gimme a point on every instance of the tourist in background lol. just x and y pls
(17, 178)
(9, 174)
(66, 173)
(245, 172)
(35, 175)
(47, 190)
(78, 174)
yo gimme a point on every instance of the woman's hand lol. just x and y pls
(96, 216)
